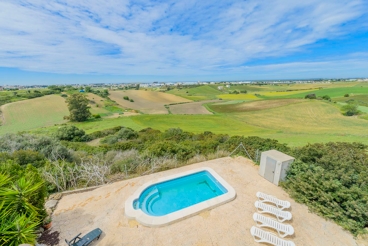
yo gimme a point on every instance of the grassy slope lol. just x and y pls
(296, 124)
(203, 92)
(150, 102)
(33, 113)
(332, 92)
(251, 106)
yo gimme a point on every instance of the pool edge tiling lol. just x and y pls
(157, 221)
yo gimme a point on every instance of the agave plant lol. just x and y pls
(18, 229)
(17, 197)
(18, 217)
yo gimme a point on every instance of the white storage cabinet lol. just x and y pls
(274, 165)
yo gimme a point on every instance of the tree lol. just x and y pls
(78, 107)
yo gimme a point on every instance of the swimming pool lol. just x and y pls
(172, 198)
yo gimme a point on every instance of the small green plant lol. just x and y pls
(326, 97)
(346, 95)
(126, 98)
(47, 220)
(131, 100)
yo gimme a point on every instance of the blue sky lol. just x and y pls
(68, 41)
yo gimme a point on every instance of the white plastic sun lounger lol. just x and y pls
(262, 197)
(282, 229)
(261, 236)
(280, 215)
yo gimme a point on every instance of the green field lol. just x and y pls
(33, 113)
(282, 116)
(203, 92)
(332, 92)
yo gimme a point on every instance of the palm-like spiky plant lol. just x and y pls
(18, 217)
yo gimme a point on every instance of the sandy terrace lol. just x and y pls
(228, 224)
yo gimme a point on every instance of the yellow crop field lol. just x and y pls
(149, 102)
(282, 93)
(33, 113)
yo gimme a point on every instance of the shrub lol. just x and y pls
(350, 109)
(104, 133)
(70, 133)
(126, 98)
(24, 157)
(96, 116)
(326, 97)
(346, 95)
(51, 148)
(331, 180)
(131, 100)
(311, 96)
(122, 134)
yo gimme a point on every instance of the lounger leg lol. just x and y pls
(257, 240)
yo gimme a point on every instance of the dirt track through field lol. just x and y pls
(149, 102)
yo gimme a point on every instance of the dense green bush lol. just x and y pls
(104, 133)
(122, 134)
(310, 96)
(24, 157)
(350, 109)
(326, 97)
(71, 133)
(332, 179)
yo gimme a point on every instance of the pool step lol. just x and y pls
(152, 201)
(147, 200)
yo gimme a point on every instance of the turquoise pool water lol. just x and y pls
(172, 195)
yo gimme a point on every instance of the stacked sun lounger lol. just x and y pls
(268, 204)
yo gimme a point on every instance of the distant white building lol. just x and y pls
(220, 88)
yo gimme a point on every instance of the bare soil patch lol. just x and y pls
(149, 102)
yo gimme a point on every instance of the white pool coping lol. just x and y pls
(157, 221)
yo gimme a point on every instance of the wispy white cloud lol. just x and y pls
(165, 37)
